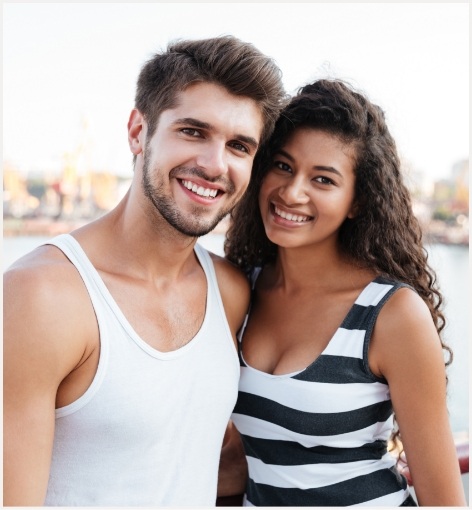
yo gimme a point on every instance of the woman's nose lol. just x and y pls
(294, 192)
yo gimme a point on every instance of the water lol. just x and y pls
(452, 266)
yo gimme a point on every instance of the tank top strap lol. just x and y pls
(95, 288)
(214, 295)
(74, 252)
(366, 310)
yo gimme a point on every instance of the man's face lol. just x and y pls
(197, 164)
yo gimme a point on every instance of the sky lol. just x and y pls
(69, 70)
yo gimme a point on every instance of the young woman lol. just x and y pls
(342, 341)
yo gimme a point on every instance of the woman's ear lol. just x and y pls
(353, 211)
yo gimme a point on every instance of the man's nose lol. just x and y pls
(213, 159)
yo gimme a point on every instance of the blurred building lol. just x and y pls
(80, 193)
(460, 177)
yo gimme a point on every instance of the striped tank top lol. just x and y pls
(319, 437)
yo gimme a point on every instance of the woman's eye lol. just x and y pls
(282, 166)
(323, 180)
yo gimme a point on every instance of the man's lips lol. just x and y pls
(200, 190)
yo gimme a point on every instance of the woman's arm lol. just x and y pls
(406, 350)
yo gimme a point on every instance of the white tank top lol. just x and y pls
(149, 429)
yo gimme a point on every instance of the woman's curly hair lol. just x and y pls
(384, 235)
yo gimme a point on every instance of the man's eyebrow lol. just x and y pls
(190, 121)
(249, 140)
(315, 167)
(193, 122)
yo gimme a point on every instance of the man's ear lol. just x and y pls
(136, 131)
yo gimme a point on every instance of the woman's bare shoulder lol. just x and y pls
(404, 334)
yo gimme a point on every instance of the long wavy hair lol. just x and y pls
(384, 235)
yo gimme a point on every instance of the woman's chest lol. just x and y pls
(285, 335)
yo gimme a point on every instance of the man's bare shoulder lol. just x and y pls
(230, 275)
(235, 291)
(45, 299)
(45, 269)
(40, 258)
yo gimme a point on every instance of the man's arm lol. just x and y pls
(42, 345)
(235, 292)
(232, 476)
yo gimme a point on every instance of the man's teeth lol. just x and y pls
(200, 190)
(291, 217)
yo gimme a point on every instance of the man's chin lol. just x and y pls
(195, 230)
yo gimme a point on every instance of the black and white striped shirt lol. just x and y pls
(318, 437)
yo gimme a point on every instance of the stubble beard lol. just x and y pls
(189, 224)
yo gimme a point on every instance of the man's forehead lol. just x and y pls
(204, 101)
(211, 91)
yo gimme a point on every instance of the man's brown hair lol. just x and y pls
(227, 61)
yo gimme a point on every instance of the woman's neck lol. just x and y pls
(296, 269)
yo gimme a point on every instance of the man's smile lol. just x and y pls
(200, 190)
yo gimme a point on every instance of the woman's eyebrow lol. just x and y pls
(315, 167)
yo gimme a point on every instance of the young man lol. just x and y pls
(120, 367)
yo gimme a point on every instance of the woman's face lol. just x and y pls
(308, 191)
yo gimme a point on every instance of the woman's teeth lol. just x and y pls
(290, 217)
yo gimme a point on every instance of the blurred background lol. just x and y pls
(69, 73)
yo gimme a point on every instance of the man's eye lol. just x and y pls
(239, 147)
(191, 132)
